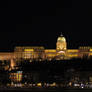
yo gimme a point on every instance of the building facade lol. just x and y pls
(40, 53)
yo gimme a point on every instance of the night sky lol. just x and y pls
(39, 23)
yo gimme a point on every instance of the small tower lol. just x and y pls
(61, 44)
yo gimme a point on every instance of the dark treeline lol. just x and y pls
(57, 65)
(55, 71)
(59, 71)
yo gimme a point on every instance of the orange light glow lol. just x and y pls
(29, 50)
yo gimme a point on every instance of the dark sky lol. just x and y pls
(39, 23)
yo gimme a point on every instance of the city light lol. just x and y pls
(29, 67)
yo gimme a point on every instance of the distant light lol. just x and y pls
(61, 52)
(39, 84)
(29, 50)
(30, 61)
(82, 87)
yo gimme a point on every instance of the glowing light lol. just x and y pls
(12, 64)
(51, 55)
(62, 39)
(90, 49)
(90, 54)
(29, 50)
(39, 84)
(50, 50)
(53, 85)
(72, 50)
(82, 87)
(73, 55)
(61, 52)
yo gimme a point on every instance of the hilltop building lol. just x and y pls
(40, 53)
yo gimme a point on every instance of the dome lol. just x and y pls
(61, 44)
(61, 39)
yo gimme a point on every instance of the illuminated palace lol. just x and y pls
(40, 53)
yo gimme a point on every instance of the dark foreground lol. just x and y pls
(43, 90)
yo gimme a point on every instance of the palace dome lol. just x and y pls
(61, 39)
